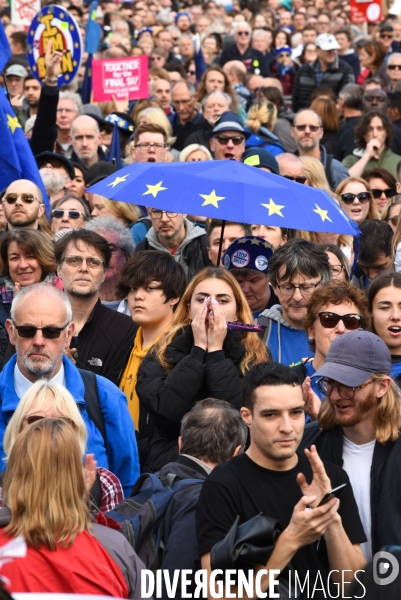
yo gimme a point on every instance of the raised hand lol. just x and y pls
(320, 484)
(120, 105)
(312, 401)
(90, 468)
(53, 61)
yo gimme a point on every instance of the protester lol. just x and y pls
(227, 138)
(383, 186)
(375, 251)
(273, 411)
(45, 480)
(358, 428)
(23, 205)
(391, 211)
(68, 212)
(356, 199)
(199, 357)
(232, 231)
(339, 265)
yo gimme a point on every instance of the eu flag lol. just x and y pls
(93, 31)
(5, 50)
(86, 90)
(16, 158)
(115, 150)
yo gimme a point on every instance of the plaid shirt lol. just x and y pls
(112, 491)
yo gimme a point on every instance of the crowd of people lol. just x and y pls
(121, 347)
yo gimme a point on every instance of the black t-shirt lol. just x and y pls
(242, 487)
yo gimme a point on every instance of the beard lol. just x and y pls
(39, 367)
(360, 409)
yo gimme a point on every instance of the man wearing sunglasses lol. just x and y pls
(23, 205)
(242, 50)
(227, 138)
(41, 329)
(358, 428)
(307, 131)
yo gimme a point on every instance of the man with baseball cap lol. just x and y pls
(261, 159)
(248, 261)
(15, 77)
(358, 429)
(327, 70)
(227, 138)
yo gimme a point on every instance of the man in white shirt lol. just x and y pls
(359, 425)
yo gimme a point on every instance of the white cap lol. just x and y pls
(327, 41)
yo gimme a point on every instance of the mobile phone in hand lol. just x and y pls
(334, 492)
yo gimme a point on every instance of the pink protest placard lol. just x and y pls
(119, 77)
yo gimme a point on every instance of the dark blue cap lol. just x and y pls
(249, 252)
(258, 157)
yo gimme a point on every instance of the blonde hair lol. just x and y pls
(372, 214)
(397, 235)
(122, 210)
(262, 113)
(314, 171)
(394, 201)
(158, 117)
(192, 148)
(45, 395)
(387, 418)
(256, 351)
(44, 486)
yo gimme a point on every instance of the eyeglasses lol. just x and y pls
(54, 163)
(388, 192)
(69, 111)
(326, 387)
(312, 128)
(29, 331)
(34, 418)
(245, 33)
(393, 67)
(336, 269)
(12, 198)
(386, 36)
(393, 221)
(147, 145)
(349, 198)
(157, 214)
(306, 289)
(58, 213)
(191, 72)
(329, 320)
(300, 179)
(224, 139)
(77, 261)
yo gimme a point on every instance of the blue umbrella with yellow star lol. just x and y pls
(227, 190)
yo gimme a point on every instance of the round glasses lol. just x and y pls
(306, 289)
(157, 214)
(326, 387)
(329, 320)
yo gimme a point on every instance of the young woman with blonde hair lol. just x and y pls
(198, 358)
(262, 117)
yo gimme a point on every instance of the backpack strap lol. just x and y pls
(146, 221)
(327, 169)
(92, 401)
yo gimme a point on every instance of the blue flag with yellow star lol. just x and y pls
(16, 158)
(114, 155)
(5, 50)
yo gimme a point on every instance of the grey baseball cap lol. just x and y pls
(354, 357)
(17, 71)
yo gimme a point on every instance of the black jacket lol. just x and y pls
(44, 133)
(385, 475)
(196, 375)
(199, 137)
(179, 530)
(254, 60)
(336, 77)
(103, 342)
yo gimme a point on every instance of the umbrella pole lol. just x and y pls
(223, 225)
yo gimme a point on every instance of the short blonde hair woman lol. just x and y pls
(314, 172)
(196, 150)
(122, 211)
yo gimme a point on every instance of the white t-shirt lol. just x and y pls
(357, 464)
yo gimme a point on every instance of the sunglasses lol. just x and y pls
(393, 67)
(29, 331)
(224, 139)
(300, 179)
(246, 33)
(329, 320)
(312, 128)
(34, 418)
(58, 213)
(191, 72)
(349, 198)
(12, 198)
(388, 192)
(386, 36)
(393, 221)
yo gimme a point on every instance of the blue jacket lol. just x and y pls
(121, 454)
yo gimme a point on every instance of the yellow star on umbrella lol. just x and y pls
(255, 242)
(13, 123)
(274, 209)
(212, 198)
(322, 213)
(117, 180)
(154, 189)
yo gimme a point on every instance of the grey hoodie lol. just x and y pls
(192, 232)
(286, 343)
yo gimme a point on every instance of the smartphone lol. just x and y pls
(330, 494)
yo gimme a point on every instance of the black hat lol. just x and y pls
(99, 171)
(258, 157)
(53, 156)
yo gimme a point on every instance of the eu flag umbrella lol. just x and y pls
(227, 190)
